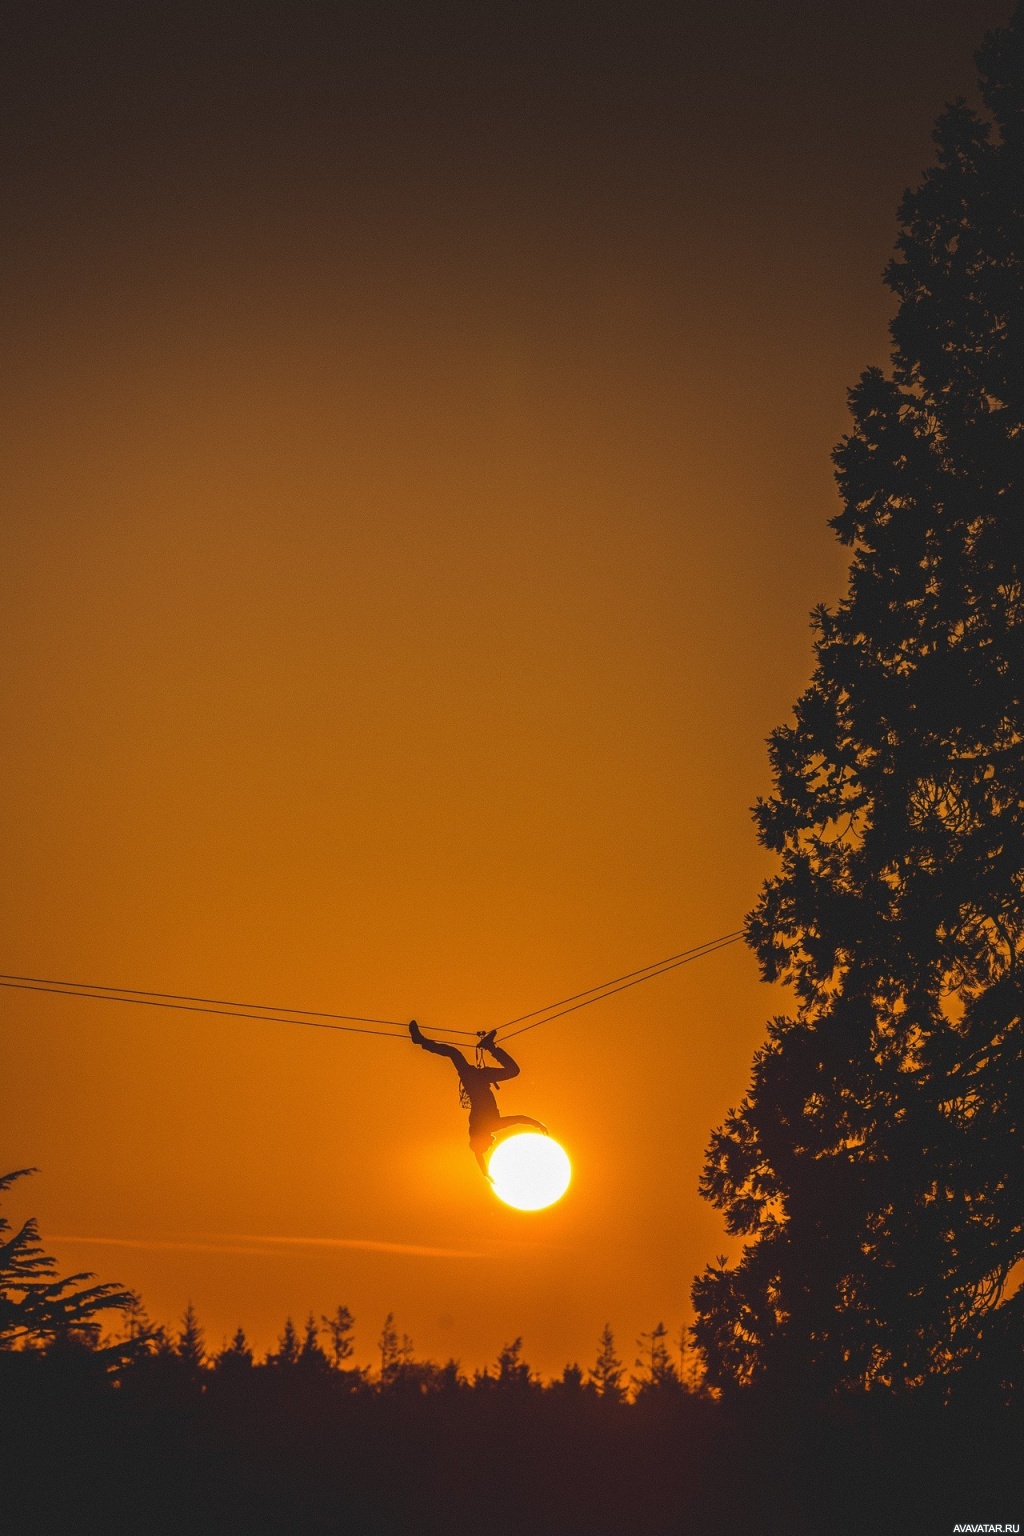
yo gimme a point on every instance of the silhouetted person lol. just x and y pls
(485, 1121)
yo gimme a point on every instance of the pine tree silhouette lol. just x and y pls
(35, 1306)
(875, 1165)
(572, 1380)
(657, 1372)
(236, 1356)
(513, 1372)
(607, 1371)
(311, 1356)
(190, 1346)
(340, 1328)
(288, 1347)
(395, 1352)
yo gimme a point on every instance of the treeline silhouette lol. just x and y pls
(150, 1435)
(143, 1430)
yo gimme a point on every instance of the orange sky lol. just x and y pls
(407, 548)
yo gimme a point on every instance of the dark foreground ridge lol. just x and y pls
(160, 1446)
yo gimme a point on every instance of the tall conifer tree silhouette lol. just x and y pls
(608, 1371)
(875, 1166)
(191, 1347)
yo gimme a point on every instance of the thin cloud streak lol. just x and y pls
(269, 1247)
(367, 1244)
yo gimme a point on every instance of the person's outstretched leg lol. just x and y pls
(438, 1047)
(509, 1120)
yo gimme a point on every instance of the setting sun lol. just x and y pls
(530, 1171)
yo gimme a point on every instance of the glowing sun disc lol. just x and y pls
(529, 1171)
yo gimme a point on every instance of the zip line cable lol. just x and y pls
(138, 994)
(710, 948)
(217, 1013)
(654, 968)
(356, 1024)
(185, 997)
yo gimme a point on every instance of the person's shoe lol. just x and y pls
(486, 1042)
(415, 1032)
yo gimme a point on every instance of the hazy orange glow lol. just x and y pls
(409, 535)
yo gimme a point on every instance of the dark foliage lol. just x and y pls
(266, 1450)
(37, 1308)
(147, 1435)
(875, 1166)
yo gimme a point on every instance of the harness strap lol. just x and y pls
(481, 1054)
